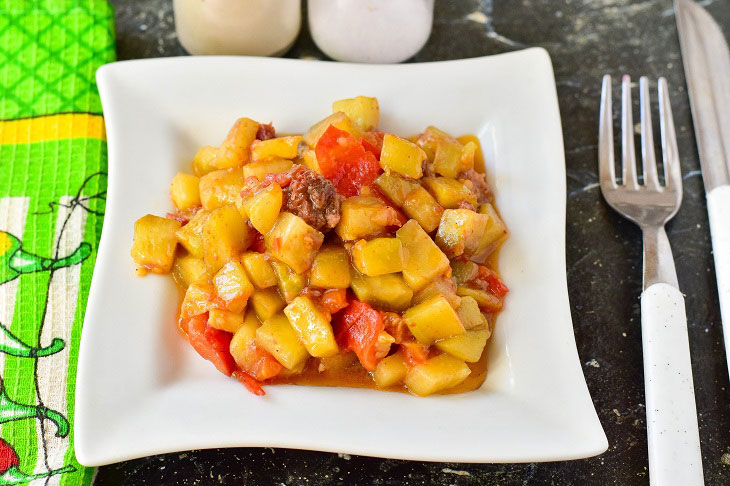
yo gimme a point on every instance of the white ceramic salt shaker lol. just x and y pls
(237, 27)
(370, 31)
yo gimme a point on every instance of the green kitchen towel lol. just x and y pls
(52, 198)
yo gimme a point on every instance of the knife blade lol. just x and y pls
(706, 60)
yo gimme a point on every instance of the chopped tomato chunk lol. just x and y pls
(357, 329)
(489, 280)
(211, 343)
(334, 300)
(344, 161)
(249, 382)
(260, 364)
(414, 353)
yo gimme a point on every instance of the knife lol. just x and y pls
(707, 66)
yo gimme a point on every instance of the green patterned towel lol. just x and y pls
(52, 195)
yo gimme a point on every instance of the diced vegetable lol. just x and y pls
(190, 236)
(212, 344)
(362, 110)
(234, 151)
(263, 208)
(378, 256)
(313, 327)
(360, 329)
(266, 303)
(432, 320)
(185, 191)
(188, 269)
(468, 346)
(449, 193)
(289, 282)
(389, 292)
(395, 187)
(220, 188)
(448, 159)
(225, 320)
(423, 261)
(309, 160)
(461, 232)
(486, 301)
(442, 286)
(277, 336)
(439, 373)
(495, 232)
(225, 237)
(331, 268)
(338, 120)
(363, 216)
(338, 362)
(233, 287)
(334, 300)
(421, 206)
(154, 243)
(402, 156)
(414, 353)
(293, 242)
(472, 144)
(470, 315)
(256, 361)
(261, 168)
(198, 299)
(344, 161)
(259, 270)
(390, 371)
(203, 160)
(464, 271)
(276, 148)
(430, 138)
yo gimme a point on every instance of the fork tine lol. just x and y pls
(628, 148)
(670, 153)
(651, 179)
(606, 163)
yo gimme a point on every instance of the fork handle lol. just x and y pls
(718, 208)
(671, 415)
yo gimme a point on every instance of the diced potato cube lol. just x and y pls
(259, 270)
(430, 138)
(464, 272)
(289, 282)
(313, 327)
(185, 191)
(378, 256)
(460, 232)
(494, 233)
(277, 336)
(486, 301)
(232, 286)
(433, 320)
(261, 168)
(402, 156)
(234, 151)
(449, 193)
(468, 346)
(309, 160)
(443, 286)
(263, 208)
(220, 188)
(362, 110)
(447, 160)
(470, 315)
(243, 338)
(395, 187)
(154, 243)
(225, 236)
(423, 261)
(190, 236)
(473, 150)
(388, 292)
(338, 120)
(338, 362)
(421, 206)
(438, 373)
(363, 216)
(188, 269)
(198, 299)
(331, 268)
(203, 160)
(390, 371)
(266, 303)
(276, 148)
(293, 242)
(225, 320)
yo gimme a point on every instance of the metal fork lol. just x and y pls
(673, 437)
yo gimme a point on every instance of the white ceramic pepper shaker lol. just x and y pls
(237, 27)
(370, 31)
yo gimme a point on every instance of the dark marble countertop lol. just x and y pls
(585, 38)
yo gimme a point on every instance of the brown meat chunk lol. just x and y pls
(477, 183)
(311, 197)
(265, 132)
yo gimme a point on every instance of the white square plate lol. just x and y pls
(142, 390)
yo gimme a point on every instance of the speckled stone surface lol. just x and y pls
(585, 39)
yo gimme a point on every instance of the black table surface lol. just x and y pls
(586, 39)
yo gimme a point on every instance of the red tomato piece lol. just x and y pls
(334, 300)
(488, 279)
(249, 382)
(414, 353)
(211, 343)
(356, 329)
(261, 364)
(344, 161)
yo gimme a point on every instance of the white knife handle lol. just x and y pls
(671, 415)
(718, 208)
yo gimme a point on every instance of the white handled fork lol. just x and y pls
(671, 415)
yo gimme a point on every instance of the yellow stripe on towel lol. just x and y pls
(52, 127)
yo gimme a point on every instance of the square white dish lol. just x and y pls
(142, 390)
